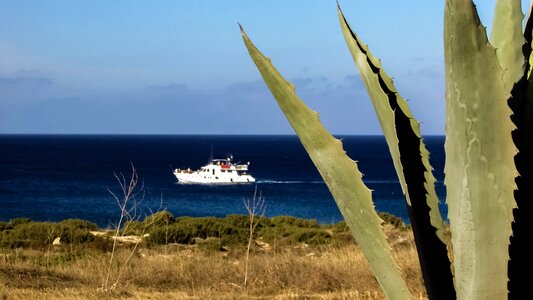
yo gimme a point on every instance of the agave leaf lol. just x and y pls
(508, 39)
(411, 160)
(479, 168)
(397, 121)
(341, 175)
(522, 105)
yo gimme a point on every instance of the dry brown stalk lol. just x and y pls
(128, 205)
(256, 210)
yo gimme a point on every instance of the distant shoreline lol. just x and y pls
(387, 218)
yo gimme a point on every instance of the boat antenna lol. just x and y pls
(211, 153)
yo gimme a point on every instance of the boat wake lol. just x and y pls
(321, 182)
(289, 182)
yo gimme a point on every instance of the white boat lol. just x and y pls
(217, 171)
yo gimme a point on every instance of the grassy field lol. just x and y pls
(294, 259)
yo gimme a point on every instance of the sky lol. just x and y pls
(180, 67)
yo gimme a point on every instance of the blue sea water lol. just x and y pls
(54, 177)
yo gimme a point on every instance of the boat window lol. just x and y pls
(213, 171)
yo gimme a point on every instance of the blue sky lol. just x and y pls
(180, 67)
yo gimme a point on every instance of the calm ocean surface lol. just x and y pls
(54, 177)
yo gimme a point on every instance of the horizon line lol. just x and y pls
(183, 134)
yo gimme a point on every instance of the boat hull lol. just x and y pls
(217, 171)
(197, 178)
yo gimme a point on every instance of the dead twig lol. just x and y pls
(256, 210)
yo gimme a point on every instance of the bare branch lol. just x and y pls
(257, 205)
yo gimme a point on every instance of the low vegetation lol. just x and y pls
(162, 228)
(188, 257)
(23, 233)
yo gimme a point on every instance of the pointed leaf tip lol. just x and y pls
(411, 161)
(241, 28)
(341, 175)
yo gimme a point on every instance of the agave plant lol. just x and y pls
(489, 119)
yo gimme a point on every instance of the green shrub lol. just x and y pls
(295, 230)
(24, 233)
(5, 226)
(293, 221)
(133, 227)
(29, 234)
(243, 221)
(276, 232)
(391, 219)
(78, 224)
(239, 221)
(206, 227)
(18, 221)
(160, 218)
(71, 235)
(340, 227)
(165, 235)
(311, 236)
(157, 219)
(232, 230)
(185, 229)
(76, 231)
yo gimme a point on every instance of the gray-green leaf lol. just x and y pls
(341, 175)
(479, 168)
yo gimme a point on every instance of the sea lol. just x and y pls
(56, 177)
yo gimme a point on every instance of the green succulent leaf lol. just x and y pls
(480, 169)
(341, 175)
(411, 160)
(508, 39)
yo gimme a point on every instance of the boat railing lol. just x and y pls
(188, 171)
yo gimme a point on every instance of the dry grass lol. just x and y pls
(186, 272)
